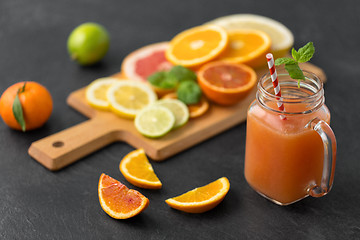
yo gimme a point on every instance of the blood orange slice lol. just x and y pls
(226, 83)
(118, 201)
(145, 61)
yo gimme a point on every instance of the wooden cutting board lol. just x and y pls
(63, 148)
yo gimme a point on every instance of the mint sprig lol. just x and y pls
(182, 73)
(161, 80)
(182, 80)
(304, 54)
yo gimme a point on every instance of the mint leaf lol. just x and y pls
(156, 78)
(18, 112)
(169, 82)
(171, 79)
(161, 80)
(189, 92)
(306, 52)
(294, 71)
(285, 60)
(182, 73)
(295, 54)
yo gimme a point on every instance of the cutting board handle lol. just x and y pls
(65, 147)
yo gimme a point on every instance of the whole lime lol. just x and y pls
(88, 43)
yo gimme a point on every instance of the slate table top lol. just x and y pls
(39, 204)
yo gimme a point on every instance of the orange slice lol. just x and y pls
(282, 38)
(197, 45)
(118, 201)
(195, 110)
(226, 83)
(201, 199)
(138, 171)
(198, 109)
(248, 47)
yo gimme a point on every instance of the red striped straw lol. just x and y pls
(275, 82)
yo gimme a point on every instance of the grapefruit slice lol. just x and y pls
(145, 61)
(226, 83)
(118, 201)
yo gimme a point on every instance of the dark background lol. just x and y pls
(38, 204)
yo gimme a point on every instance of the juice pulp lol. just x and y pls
(283, 158)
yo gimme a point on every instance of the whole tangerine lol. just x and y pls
(36, 103)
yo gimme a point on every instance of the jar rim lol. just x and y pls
(313, 85)
(307, 74)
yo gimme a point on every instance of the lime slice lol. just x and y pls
(154, 121)
(178, 108)
(96, 93)
(128, 97)
(281, 37)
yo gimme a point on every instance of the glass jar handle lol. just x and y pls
(329, 140)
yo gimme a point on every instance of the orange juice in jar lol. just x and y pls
(290, 155)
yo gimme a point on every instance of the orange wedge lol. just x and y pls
(118, 201)
(226, 83)
(201, 199)
(195, 110)
(137, 169)
(248, 47)
(197, 45)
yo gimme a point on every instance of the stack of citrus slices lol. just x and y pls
(199, 45)
(281, 37)
(120, 202)
(124, 97)
(223, 53)
(136, 100)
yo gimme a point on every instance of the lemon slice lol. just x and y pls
(178, 108)
(154, 121)
(281, 37)
(128, 97)
(96, 93)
